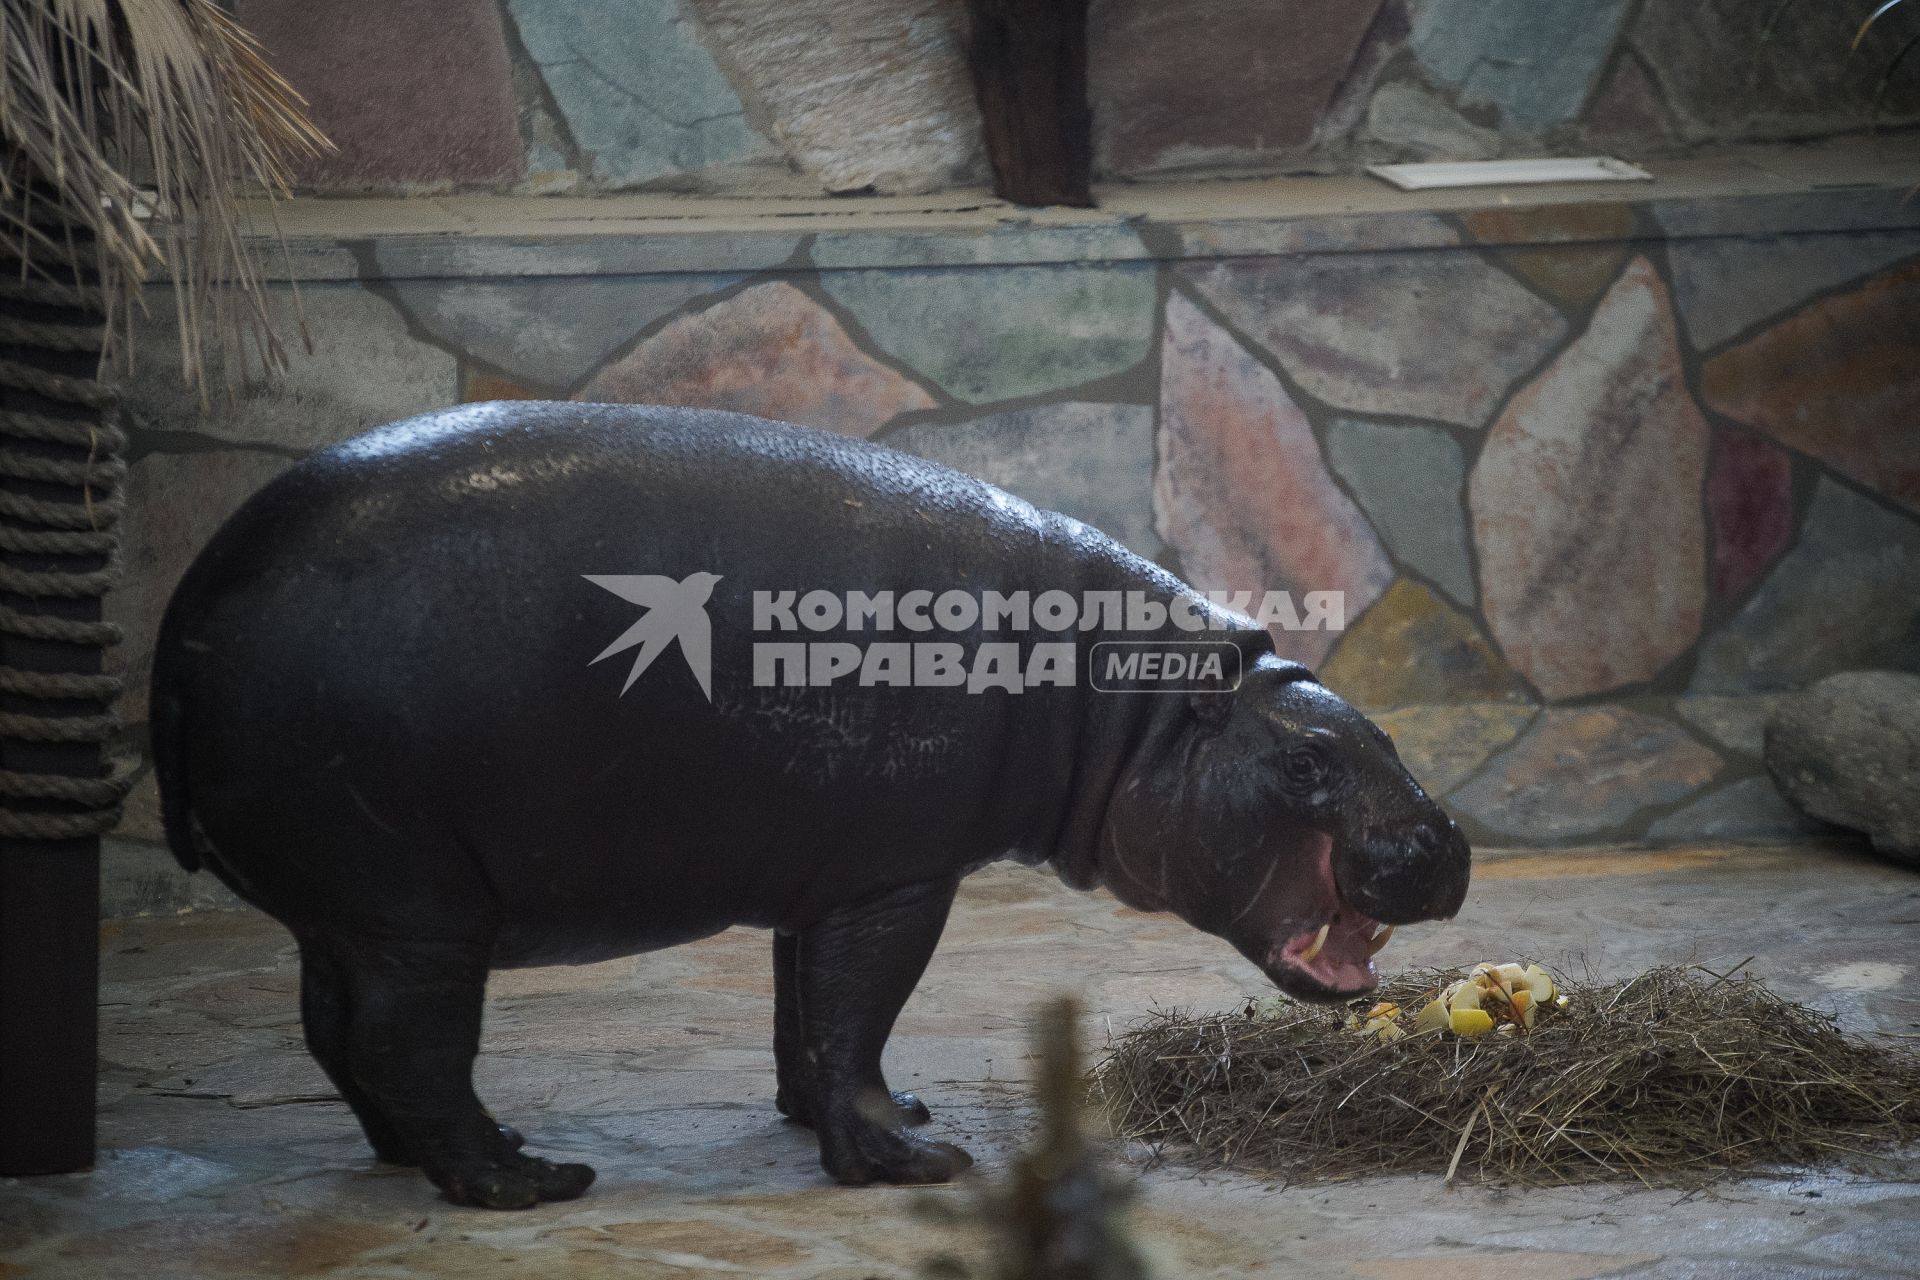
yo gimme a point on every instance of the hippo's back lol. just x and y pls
(383, 681)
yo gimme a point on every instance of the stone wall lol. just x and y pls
(1598, 480)
(856, 95)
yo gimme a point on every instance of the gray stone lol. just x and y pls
(1847, 596)
(1093, 462)
(548, 332)
(1410, 481)
(1733, 722)
(987, 335)
(366, 369)
(1847, 750)
(1577, 773)
(1750, 810)
(1407, 116)
(1357, 330)
(1722, 287)
(1535, 60)
(862, 93)
(1443, 744)
(641, 94)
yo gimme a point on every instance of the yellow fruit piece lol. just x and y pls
(1465, 996)
(1522, 1000)
(1541, 983)
(1385, 1009)
(1472, 1023)
(1389, 1031)
(1432, 1018)
(1511, 975)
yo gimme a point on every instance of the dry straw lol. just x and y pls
(1671, 1079)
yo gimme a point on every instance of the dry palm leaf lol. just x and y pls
(92, 91)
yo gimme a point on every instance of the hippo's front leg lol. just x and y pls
(852, 971)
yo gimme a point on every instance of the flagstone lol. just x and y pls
(1243, 492)
(641, 94)
(1586, 509)
(771, 351)
(1577, 773)
(1533, 60)
(988, 334)
(1846, 596)
(1093, 462)
(1750, 501)
(1214, 80)
(1569, 252)
(1357, 330)
(1443, 744)
(1409, 479)
(1750, 810)
(1839, 379)
(1723, 286)
(1414, 647)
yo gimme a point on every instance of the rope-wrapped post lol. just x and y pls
(61, 493)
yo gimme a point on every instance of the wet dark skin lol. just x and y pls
(377, 716)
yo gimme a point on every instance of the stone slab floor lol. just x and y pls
(225, 1156)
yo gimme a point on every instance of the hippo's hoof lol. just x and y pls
(867, 1153)
(910, 1112)
(519, 1182)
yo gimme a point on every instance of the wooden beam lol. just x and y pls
(1029, 61)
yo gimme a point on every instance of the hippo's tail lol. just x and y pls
(167, 721)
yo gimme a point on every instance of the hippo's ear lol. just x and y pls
(1286, 670)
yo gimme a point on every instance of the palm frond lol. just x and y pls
(93, 91)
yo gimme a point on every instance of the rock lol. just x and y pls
(1413, 647)
(175, 502)
(999, 334)
(364, 65)
(861, 93)
(1442, 745)
(1243, 493)
(1734, 723)
(1586, 504)
(1847, 595)
(1578, 773)
(1409, 480)
(1533, 60)
(1724, 286)
(367, 369)
(548, 331)
(1356, 330)
(1847, 750)
(1405, 115)
(1751, 810)
(1571, 253)
(1093, 462)
(1838, 379)
(771, 351)
(1750, 502)
(1627, 108)
(1213, 81)
(1791, 74)
(641, 94)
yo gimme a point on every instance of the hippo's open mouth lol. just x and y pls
(1330, 954)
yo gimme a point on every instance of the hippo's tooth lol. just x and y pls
(1319, 941)
(1379, 941)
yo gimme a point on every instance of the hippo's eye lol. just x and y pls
(1303, 767)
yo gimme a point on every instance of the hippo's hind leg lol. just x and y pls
(413, 1032)
(853, 971)
(794, 1094)
(326, 1013)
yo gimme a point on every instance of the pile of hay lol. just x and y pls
(1670, 1078)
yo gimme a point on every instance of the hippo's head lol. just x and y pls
(1279, 818)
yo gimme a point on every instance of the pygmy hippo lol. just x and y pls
(536, 683)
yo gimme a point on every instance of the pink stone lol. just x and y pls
(1750, 499)
(413, 92)
(1586, 507)
(1214, 80)
(771, 351)
(1839, 379)
(1243, 491)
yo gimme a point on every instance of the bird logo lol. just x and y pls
(674, 611)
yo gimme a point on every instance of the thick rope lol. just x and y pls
(37, 626)
(51, 336)
(100, 438)
(48, 294)
(60, 684)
